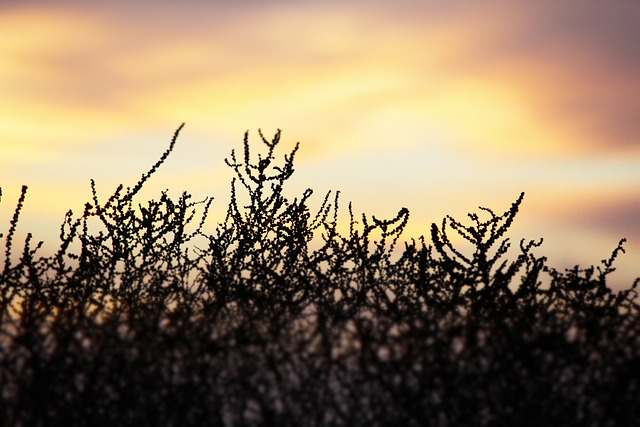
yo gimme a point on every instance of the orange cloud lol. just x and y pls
(297, 68)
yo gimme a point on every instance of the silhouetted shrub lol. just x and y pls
(145, 316)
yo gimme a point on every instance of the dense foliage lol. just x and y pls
(147, 316)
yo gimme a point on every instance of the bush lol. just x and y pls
(143, 317)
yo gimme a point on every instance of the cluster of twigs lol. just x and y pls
(144, 316)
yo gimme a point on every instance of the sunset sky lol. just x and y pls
(435, 106)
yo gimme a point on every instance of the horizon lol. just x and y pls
(437, 108)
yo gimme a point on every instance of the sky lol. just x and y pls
(439, 107)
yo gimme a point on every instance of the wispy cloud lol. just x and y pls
(494, 97)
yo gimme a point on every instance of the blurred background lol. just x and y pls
(439, 107)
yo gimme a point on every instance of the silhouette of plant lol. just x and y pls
(145, 315)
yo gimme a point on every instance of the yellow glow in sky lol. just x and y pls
(439, 108)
